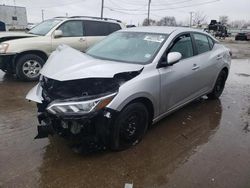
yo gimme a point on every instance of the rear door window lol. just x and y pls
(95, 28)
(201, 43)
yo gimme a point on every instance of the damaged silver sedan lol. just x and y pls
(108, 97)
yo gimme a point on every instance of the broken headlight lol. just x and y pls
(79, 107)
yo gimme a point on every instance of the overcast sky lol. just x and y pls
(134, 11)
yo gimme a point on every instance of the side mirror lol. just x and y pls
(58, 33)
(173, 57)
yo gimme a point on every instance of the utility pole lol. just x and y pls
(42, 15)
(149, 2)
(102, 9)
(191, 17)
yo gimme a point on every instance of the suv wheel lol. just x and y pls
(28, 67)
(130, 126)
(219, 86)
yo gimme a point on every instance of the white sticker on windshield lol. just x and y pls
(154, 38)
(147, 56)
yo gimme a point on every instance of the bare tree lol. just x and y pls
(151, 22)
(199, 18)
(239, 24)
(167, 21)
(223, 20)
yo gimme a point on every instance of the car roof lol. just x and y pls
(89, 18)
(161, 29)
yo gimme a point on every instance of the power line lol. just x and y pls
(126, 9)
(128, 13)
(58, 5)
(163, 9)
(173, 3)
(197, 4)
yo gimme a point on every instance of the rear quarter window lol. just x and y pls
(113, 27)
(211, 42)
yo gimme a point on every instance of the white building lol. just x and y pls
(13, 18)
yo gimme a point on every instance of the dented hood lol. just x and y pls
(67, 63)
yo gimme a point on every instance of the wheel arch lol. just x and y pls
(148, 104)
(39, 53)
(226, 70)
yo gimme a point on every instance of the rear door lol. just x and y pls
(97, 30)
(206, 60)
(73, 35)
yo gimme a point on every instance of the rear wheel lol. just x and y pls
(130, 126)
(219, 86)
(28, 67)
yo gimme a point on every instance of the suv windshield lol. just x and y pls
(44, 27)
(130, 47)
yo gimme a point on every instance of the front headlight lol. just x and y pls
(3, 48)
(79, 107)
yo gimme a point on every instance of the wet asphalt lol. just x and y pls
(205, 144)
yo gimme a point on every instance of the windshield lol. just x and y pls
(44, 27)
(130, 47)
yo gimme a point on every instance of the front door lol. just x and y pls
(73, 35)
(179, 82)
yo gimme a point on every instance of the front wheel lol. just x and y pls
(219, 86)
(28, 67)
(130, 126)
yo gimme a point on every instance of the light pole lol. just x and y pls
(149, 2)
(102, 9)
(42, 15)
(191, 17)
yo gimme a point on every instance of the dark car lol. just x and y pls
(242, 36)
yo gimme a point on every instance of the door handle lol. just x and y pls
(82, 39)
(219, 57)
(195, 67)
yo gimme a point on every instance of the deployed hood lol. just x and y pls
(5, 36)
(67, 63)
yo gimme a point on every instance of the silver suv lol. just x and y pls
(24, 54)
(109, 96)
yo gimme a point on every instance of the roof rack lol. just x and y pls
(61, 17)
(98, 18)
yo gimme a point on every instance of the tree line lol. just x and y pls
(199, 19)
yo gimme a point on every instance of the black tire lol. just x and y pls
(28, 67)
(129, 127)
(219, 86)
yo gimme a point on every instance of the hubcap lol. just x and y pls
(130, 127)
(31, 68)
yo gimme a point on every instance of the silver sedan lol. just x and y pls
(108, 96)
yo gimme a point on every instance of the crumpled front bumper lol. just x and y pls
(88, 130)
(91, 131)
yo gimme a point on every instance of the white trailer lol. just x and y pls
(13, 18)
